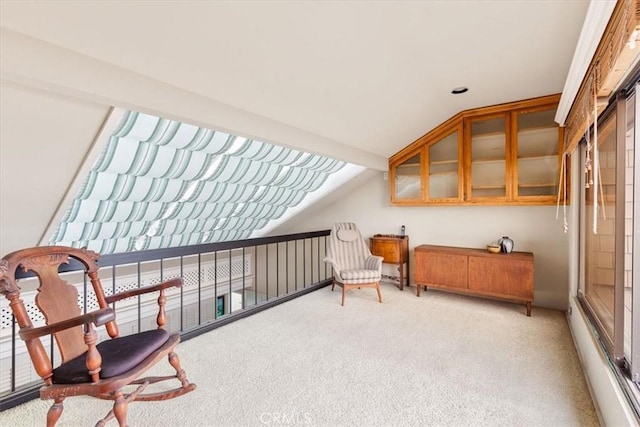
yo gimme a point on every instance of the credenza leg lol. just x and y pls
(528, 303)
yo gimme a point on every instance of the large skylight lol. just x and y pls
(159, 183)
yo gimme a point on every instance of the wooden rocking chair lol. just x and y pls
(88, 368)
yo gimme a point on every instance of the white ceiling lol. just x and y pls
(373, 76)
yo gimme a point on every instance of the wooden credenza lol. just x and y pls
(475, 272)
(395, 250)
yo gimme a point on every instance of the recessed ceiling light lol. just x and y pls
(459, 90)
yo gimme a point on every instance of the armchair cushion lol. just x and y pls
(354, 276)
(119, 355)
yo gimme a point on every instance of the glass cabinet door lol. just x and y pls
(488, 154)
(444, 168)
(408, 180)
(537, 148)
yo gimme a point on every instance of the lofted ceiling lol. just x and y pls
(356, 79)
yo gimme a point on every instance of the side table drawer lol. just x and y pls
(388, 249)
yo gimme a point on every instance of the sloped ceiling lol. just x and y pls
(356, 81)
(372, 75)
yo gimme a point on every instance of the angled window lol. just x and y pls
(159, 183)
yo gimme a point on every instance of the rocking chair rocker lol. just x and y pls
(87, 368)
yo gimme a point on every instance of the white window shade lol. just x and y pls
(159, 183)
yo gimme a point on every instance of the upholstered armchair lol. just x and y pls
(352, 262)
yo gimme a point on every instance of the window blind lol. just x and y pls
(160, 183)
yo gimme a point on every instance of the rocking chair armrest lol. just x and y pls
(98, 318)
(134, 292)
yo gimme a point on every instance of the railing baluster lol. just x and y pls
(182, 295)
(227, 309)
(139, 302)
(113, 282)
(244, 295)
(13, 353)
(215, 285)
(199, 289)
(255, 275)
(318, 257)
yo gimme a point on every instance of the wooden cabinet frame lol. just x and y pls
(462, 124)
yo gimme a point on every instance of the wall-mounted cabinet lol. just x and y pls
(505, 154)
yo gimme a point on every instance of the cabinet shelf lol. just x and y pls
(449, 173)
(443, 162)
(408, 165)
(487, 187)
(550, 184)
(540, 157)
(491, 136)
(487, 160)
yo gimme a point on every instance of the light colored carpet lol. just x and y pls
(440, 359)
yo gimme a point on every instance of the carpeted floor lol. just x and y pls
(441, 360)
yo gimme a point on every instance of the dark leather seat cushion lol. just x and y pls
(119, 355)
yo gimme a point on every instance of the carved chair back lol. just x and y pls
(57, 300)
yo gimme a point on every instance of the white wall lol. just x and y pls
(44, 138)
(534, 229)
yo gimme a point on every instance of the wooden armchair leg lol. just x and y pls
(378, 289)
(53, 415)
(344, 290)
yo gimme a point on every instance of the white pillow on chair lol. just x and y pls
(347, 235)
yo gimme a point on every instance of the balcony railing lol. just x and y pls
(222, 282)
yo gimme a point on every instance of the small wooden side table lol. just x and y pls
(394, 249)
